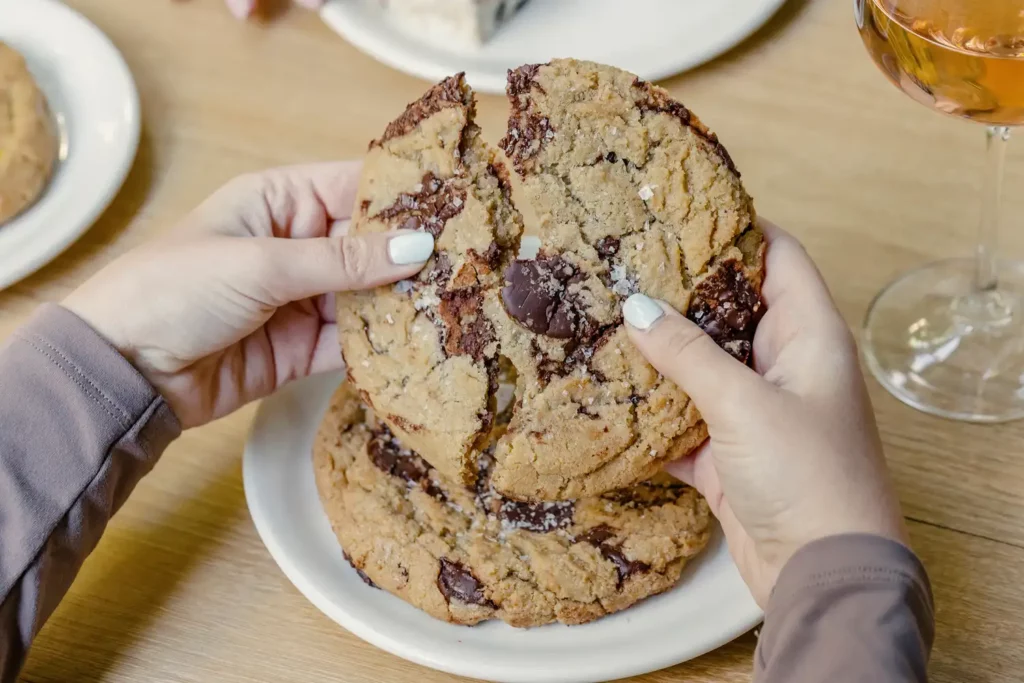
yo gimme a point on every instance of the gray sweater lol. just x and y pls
(79, 427)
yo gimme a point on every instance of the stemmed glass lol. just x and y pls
(948, 338)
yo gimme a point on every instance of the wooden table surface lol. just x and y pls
(181, 589)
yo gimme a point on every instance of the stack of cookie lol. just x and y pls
(496, 449)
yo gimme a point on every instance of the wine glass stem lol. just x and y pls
(986, 277)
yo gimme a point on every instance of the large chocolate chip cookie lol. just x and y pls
(622, 190)
(468, 554)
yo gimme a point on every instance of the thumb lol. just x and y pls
(295, 269)
(681, 351)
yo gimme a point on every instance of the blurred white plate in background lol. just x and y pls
(94, 101)
(654, 39)
(710, 606)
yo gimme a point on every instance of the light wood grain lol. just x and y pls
(181, 589)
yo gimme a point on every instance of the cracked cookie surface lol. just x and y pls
(28, 141)
(621, 190)
(422, 352)
(466, 555)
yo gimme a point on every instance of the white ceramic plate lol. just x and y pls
(96, 106)
(710, 607)
(654, 39)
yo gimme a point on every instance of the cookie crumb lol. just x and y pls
(426, 300)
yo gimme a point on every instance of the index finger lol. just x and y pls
(791, 278)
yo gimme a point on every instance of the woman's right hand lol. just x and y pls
(794, 453)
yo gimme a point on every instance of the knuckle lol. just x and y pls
(680, 340)
(354, 256)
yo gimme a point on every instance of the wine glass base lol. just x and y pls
(939, 347)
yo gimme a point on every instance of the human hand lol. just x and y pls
(794, 454)
(243, 9)
(232, 304)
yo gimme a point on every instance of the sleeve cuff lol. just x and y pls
(118, 393)
(861, 558)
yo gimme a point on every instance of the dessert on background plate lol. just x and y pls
(453, 23)
(28, 139)
(619, 189)
(467, 555)
(652, 38)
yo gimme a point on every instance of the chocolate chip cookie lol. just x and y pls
(466, 555)
(621, 190)
(28, 141)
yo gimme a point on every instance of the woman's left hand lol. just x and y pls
(243, 9)
(235, 301)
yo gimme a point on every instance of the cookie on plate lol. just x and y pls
(622, 190)
(466, 555)
(28, 142)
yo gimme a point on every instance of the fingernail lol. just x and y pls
(410, 248)
(642, 311)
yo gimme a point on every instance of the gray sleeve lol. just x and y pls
(79, 427)
(848, 609)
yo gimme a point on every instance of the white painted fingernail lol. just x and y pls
(410, 248)
(642, 311)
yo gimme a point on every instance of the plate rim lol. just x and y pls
(84, 220)
(342, 16)
(368, 633)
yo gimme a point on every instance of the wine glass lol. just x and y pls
(948, 338)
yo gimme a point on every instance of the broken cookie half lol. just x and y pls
(622, 190)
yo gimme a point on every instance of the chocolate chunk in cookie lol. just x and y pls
(727, 307)
(458, 583)
(536, 294)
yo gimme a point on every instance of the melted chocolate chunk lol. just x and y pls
(362, 575)
(389, 456)
(451, 92)
(656, 99)
(646, 495)
(521, 80)
(607, 246)
(455, 581)
(428, 208)
(539, 517)
(467, 331)
(598, 536)
(726, 306)
(441, 271)
(536, 293)
(527, 130)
